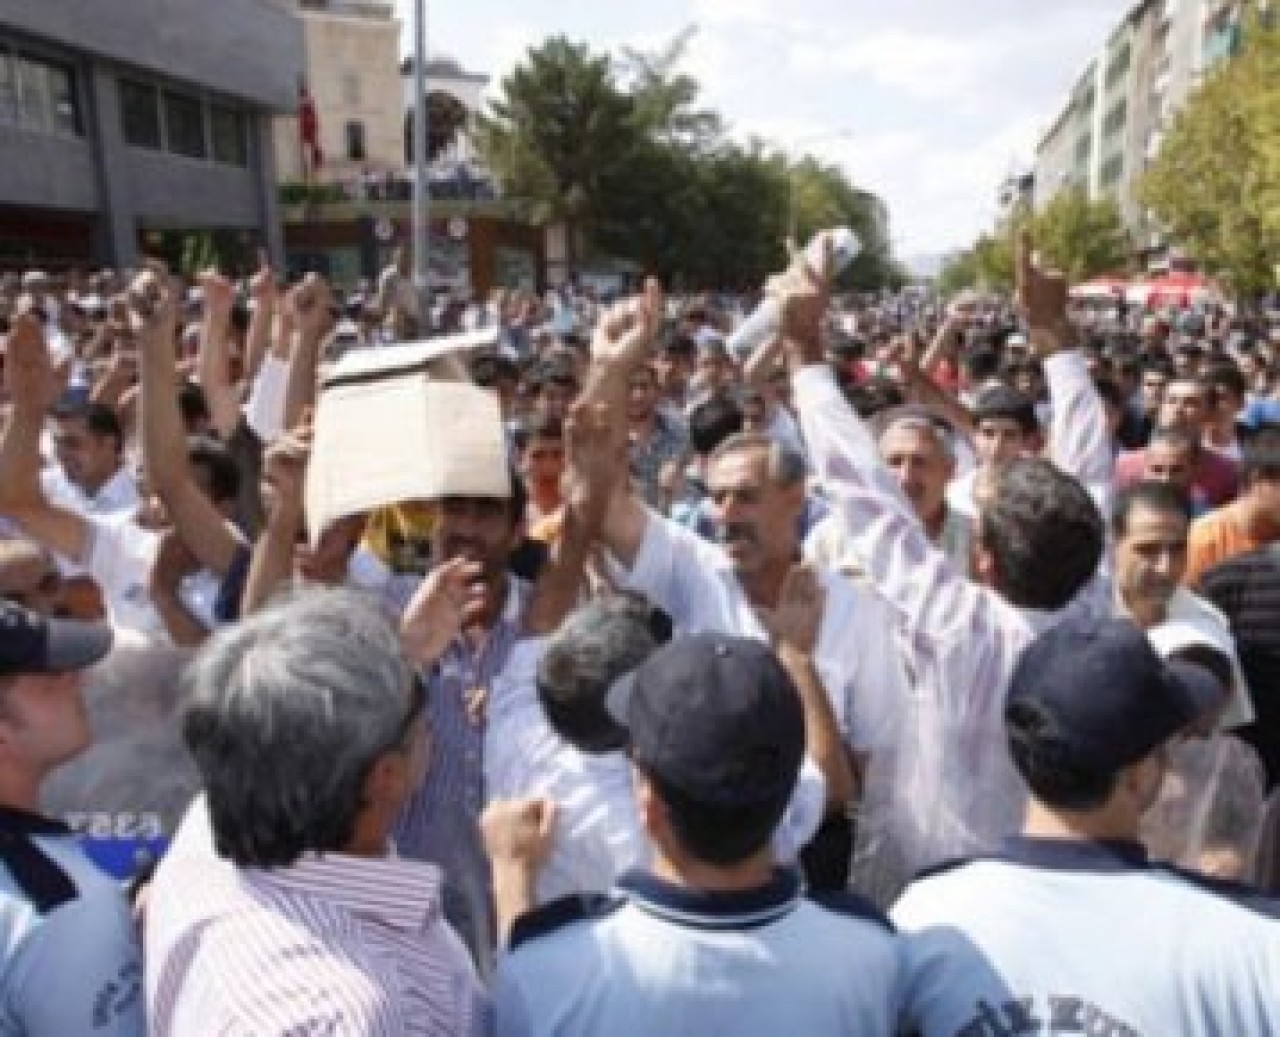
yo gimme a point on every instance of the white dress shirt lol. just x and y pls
(858, 655)
(951, 787)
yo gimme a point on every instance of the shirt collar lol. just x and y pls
(1082, 855)
(401, 893)
(702, 909)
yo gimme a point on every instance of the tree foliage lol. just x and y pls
(1215, 185)
(626, 156)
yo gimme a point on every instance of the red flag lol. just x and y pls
(308, 130)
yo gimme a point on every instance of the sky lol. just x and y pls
(929, 103)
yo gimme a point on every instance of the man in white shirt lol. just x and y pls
(1070, 928)
(949, 785)
(92, 477)
(1005, 427)
(1150, 527)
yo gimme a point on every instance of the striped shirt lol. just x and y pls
(440, 822)
(333, 945)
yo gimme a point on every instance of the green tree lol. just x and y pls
(560, 134)
(1080, 237)
(1215, 185)
(666, 99)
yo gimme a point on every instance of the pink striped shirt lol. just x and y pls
(332, 945)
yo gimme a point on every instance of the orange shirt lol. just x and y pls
(1214, 538)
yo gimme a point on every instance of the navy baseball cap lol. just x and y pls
(32, 644)
(1114, 699)
(718, 719)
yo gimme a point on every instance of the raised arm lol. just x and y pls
(207, 534)
(308, 317)
(262, 289)
(32, 388)
(621, 343)
(271, 566)
(596, 460)
(214, 364)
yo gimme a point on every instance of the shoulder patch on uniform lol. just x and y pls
(1248, 897)
(852, 905)
(556, 914)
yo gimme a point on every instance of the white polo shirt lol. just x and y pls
(1058, 936)
(598, 835)
(859, 654)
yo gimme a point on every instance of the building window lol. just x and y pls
(351, 90)
(355, 141)
(228, 132)
(1119, 66)
(1112, 170)
(184, 125)
(140, 114)
(1115, 119)
(38, 95)
(63, 108)
(8, 91)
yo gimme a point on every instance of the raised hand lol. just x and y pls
(262, 285)
(28, 370)
(309, 302)
(519, 832)
(797, 621)
(626, 332)
(1042, 298)
(285, 465)
(219, 295)
(153, 311)
(804, 296)
(448, 599)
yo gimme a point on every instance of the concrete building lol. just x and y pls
(141, 125)
(352, 53)
(1125, 100)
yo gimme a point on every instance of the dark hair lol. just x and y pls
(193, 404)
(981, 364)
(680, 345)
(1158, 365)
(240, 317)
(1149, 494)
(1260, 455)
(1043, 756)
(873, 396)
(1110, 392)
(100, 420)
(220, 467)
(1004, 401)
(712, 422)
(1175, 436)
(552, 373)
(714, 834)
(488, 370)
(1225, 375)
(1044, 534)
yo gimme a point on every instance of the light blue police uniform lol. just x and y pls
(69, 954)
(1070, 937)
(661, 959)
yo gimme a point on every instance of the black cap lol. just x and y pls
(718, 719)
(30, 643)
(1113, 697)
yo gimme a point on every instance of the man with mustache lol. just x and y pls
(757, 489)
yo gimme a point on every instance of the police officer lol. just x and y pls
(1071, 928)
(70, 963)
(712, 937)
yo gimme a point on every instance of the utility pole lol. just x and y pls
(421, 182)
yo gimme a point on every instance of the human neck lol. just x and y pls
(20, 789)
(545, 496)
(934, 524)
(643, 426)
(495, 599)
(763, 587)
(754, 872)
(1256, 518)
(1042, 822)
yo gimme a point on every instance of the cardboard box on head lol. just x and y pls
(392, 426)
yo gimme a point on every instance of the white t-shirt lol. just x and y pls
(598, 834)
(859, 654)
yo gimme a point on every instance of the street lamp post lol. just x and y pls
(421, 183)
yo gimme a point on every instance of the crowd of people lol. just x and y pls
(917, 673)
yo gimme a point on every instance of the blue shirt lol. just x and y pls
(71, 963)
(663, 959)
